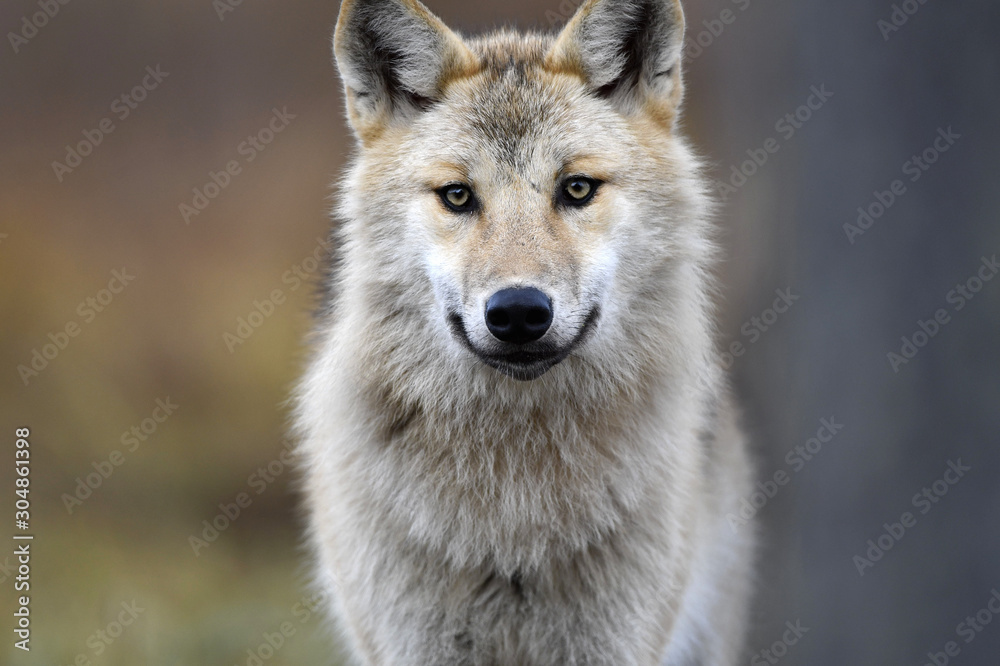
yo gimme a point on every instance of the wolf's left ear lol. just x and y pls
(395, 58)
(628, 51)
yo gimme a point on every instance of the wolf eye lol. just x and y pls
(457, 198)
(578, 191)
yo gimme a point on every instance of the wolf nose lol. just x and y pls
(518, 316)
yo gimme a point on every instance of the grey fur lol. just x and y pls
(458, 515)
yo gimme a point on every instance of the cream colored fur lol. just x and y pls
(463, 516)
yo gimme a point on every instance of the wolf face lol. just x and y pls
(534, 182)
(523, 269)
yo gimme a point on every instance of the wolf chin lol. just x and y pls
(518, 447)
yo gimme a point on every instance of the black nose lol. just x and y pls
(518, 316)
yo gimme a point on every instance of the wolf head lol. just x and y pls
(518, 200)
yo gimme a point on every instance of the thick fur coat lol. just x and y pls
(559, 501)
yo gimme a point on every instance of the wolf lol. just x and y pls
(517, 442)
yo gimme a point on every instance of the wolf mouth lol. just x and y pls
(530, 361)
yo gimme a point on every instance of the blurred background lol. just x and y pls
(154, 306)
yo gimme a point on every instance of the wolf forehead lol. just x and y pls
(504, 50)
(514, 104)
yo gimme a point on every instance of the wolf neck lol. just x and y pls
(512, 475)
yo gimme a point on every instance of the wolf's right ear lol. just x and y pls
(395, 58)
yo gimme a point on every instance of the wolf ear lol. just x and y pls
(628, 51)
(395, 57)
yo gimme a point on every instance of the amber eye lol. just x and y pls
(578, 190)
(457, 197)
